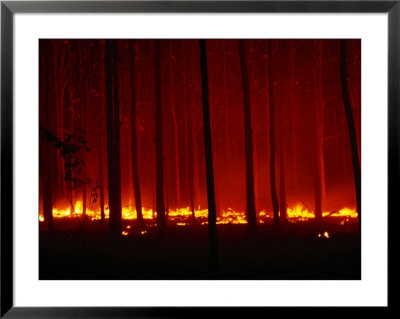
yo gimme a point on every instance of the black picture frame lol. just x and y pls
(9, 8)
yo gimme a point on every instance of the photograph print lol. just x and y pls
(193, 159)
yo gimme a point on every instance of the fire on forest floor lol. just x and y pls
(184, 216)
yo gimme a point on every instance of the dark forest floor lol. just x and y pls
(290, 252)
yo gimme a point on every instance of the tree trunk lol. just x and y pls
(248, 147)
(274, 197)
(134, 147)
(113, 143)
(82, 117)
(351, 127)
(293, 112)
(226, 110)
(176, 129)
(68, 119)
(160, 205)
(281, 155)
(319, 129)
(212, 215)
(45, 151)
(100, 136)
(188, 139)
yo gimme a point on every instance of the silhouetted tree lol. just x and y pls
(248, 147)
(113, 142)
(100, 133)
(189, 135)
(319, 132)
(46, 162)
(274, 197)
(281, 152)
(83, 89)
(351, 127)
(68, 119)
(212, 215)
(71, 150)
(160, 205)
(292, 86)
(171, 59)
(134, 147)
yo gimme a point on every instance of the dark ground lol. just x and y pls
(294, 251)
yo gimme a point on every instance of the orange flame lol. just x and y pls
(182, 216)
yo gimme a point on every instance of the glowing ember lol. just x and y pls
(124, 233)
(326, 235)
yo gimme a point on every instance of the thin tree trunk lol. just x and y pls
(351, 127)
(212, 215)
(226, 111)
(45, 158)
(134, 147)
(82, 116)
(100, 136)
(293, 112)
(274, 197)
(176, 132)
(188, 139)
(248, 147)
(113, 143)
(160, 205)
(281, 155)
(321, 127)
(318, 148)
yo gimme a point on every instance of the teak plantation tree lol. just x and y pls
(160, 205)
(134, 147)
(319, 128)
(113, 138)
(250, 200)
(46, 164)
(281, 154)
(351, 126)
(190, 159)
(272, 139)
(212, 214)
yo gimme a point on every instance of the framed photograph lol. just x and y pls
(173, 158)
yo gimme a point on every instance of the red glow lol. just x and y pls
(311, 133)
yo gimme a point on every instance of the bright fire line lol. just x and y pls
(229, 216)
